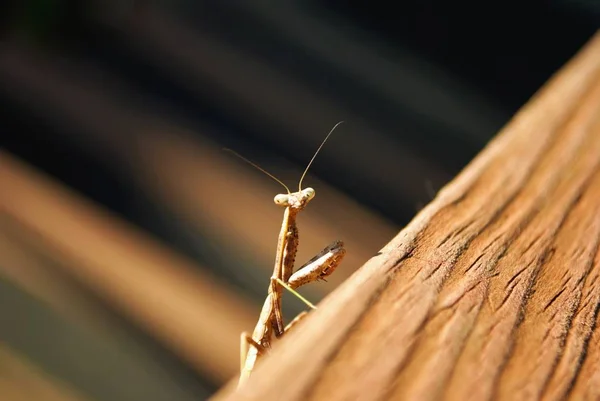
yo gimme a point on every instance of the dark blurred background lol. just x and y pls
(123, 107)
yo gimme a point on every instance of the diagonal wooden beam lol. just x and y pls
(172, 298)
(491, 292)
(23, 380)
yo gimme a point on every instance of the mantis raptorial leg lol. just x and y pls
(271, 319)
(316, 269)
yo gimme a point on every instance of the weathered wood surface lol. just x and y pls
(491, 292)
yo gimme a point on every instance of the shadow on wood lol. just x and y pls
(490, 292)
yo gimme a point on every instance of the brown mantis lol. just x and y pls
(270, 321)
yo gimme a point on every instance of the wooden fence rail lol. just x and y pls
(491, 292)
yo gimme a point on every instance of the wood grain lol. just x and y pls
(491, 292)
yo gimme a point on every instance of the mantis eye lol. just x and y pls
(282, 200)
(309, 193)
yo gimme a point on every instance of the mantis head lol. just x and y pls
(296, 200)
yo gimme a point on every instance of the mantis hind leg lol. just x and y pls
(295, 321)
(246, 341)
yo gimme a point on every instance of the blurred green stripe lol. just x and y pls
(101, 367)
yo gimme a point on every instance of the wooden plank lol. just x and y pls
(28, 270)
(491, 292)
(191, 312)
(196, 181)
(109, 363)
(22, 380)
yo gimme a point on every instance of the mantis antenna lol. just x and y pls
(258, 167)
(277, 179)
(315, 155)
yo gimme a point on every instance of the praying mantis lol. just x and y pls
(270, 321)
